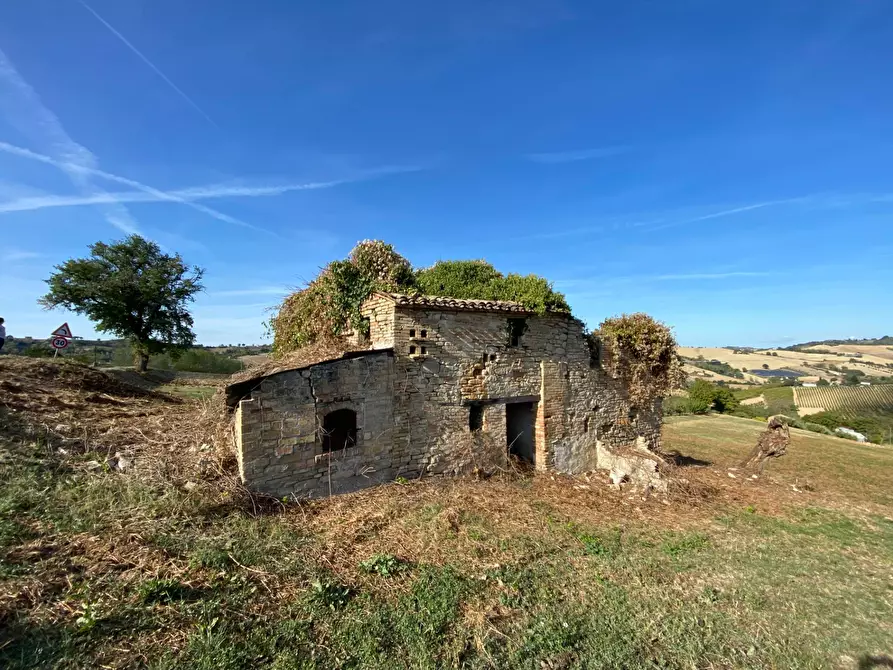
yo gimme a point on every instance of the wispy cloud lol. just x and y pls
(570, 285)
(24, 110)
(151, 65)
(17, 255)
(577, 155)
(99, 196)
(185, 196)
(732, 211)
(260, 290)
(694, 276)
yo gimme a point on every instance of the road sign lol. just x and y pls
(59, 343)
(62, 331)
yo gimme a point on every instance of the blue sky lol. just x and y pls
(726, 167)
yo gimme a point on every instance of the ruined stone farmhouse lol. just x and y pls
(439, 386)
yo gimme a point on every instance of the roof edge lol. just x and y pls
(238, 390)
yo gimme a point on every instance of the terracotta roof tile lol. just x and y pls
(458, 304)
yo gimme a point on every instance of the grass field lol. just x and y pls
(777, 400)
(100, 568)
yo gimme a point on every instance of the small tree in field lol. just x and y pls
(132, 289)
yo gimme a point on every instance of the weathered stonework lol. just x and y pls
(444, 389)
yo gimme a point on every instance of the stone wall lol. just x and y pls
(414, 403)
(278, 428)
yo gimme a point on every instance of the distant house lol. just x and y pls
(810, 384)
(864, 383)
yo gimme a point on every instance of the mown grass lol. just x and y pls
(101, 570)
(839, 471)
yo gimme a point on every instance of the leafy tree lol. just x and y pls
(823, 382)
(711, 396)
(724, 400)
(701, 392)
(765, 366)
(852, 378)
(132, 289)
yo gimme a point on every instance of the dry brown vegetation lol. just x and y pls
(168, 562)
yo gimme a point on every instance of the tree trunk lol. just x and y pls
(141, 361)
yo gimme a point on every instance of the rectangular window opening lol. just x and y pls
(515, 328)
(424, 350)
(411, 349)
(412, 332)
(475, 417)
(424, 333)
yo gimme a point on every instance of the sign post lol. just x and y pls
(60, 338)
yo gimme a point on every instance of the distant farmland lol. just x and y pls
(845, 398)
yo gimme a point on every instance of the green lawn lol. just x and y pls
(99, 569)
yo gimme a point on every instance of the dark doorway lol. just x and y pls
(519, 418)
(339, 430)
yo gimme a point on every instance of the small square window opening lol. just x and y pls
(411, 349)
(424, 333)
(412, 332)
(424, 350)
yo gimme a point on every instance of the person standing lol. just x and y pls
(2, 334)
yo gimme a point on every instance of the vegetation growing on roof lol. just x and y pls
(641, 352)
(478, 280)
(329, 305)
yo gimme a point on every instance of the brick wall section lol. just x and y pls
(380, 312)
(413, 405)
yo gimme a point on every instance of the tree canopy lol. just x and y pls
(330, 304)
(132, 289)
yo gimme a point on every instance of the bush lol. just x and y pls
(478, 280)
(642, 353)
(712, 396)
(680, 405)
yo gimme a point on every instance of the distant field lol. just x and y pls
(873, 353)
(872, 362)
(845, 397)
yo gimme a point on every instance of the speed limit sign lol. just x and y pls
(59, 343)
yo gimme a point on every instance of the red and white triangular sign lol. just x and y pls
(63, 331)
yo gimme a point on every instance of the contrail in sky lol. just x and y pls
(152, 65)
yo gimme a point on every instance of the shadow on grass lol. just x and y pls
(681, 460)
